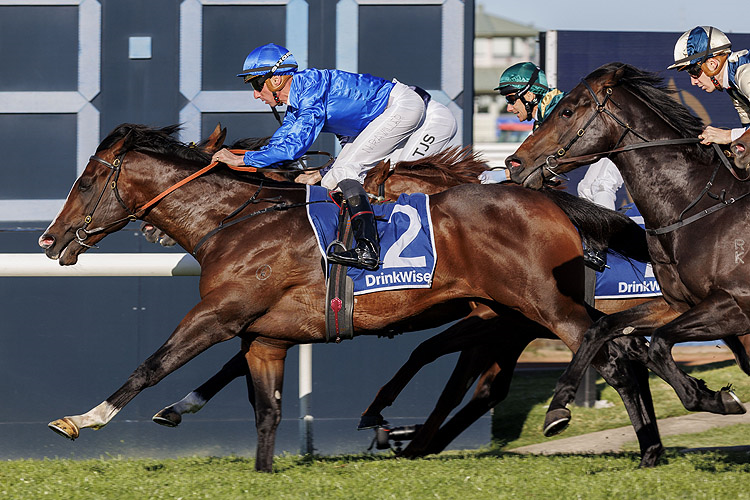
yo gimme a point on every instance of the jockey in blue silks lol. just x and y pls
(374, 119)
(706, 54)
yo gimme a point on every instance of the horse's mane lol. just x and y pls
(461, 164)
(250, 143)
(650, 88)
(160, 141)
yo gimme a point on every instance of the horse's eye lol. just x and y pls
(84, 185)
(566, 113)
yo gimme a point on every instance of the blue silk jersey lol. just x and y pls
(326, 100)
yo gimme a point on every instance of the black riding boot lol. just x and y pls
(366, 253)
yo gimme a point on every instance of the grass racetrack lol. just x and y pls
(477, 474)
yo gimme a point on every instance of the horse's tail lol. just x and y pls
(602, 228)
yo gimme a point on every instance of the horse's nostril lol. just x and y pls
(512, 162)
(46, 241)
(739, 148)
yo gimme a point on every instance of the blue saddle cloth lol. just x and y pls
(626, 279)
(407, 244)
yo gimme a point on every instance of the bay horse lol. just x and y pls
(484, 356)
(680, 187)
(532, 265)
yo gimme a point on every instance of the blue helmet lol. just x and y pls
(268, 60)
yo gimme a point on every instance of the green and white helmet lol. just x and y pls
(521, 78)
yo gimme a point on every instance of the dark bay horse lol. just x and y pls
(741, 150)
(691, 201)
(531, 265)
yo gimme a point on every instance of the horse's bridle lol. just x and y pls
(555, 160)
(115, 168)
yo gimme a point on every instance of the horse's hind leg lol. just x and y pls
(199, 330)
(491, 389)
(463, 334)
(171, 416)
(713, 318)
(470, 363)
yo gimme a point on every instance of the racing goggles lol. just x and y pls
(512, 98)
(257, 81)
(695, 70)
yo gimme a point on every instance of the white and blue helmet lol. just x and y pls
(699, 44)
(268, 60)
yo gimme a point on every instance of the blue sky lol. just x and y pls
(629, 15)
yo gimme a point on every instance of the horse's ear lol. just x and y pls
(122, 145)
(387, 170)
(216, 140)
(613, 79)
(381, 171)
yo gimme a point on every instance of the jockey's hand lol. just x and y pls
(309, 178)
(228, 158)
(715, 135)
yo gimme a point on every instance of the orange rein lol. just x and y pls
(184, 181)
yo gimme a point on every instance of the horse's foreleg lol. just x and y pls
(199, 330)
(630, 379)
(266, 364)
(639, 320)
(171, 416)
(463, 334)
(714, 317)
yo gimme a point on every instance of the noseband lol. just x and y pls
(115, 167)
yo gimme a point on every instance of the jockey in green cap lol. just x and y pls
(529, 97)
(527, 92)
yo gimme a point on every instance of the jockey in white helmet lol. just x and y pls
(706, 54)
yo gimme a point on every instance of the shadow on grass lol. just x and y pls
(527, 390)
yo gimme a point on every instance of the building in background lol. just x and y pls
(498, 44)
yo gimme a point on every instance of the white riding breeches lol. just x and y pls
(407, 129)
(600, 184)
(437, 130)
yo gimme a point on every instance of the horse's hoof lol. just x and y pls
(370, 422)
(650, 458)
(167, 417)
(556, 421)
(65, 427)
(732, 404)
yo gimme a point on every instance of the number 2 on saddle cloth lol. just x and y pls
(407, 246)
